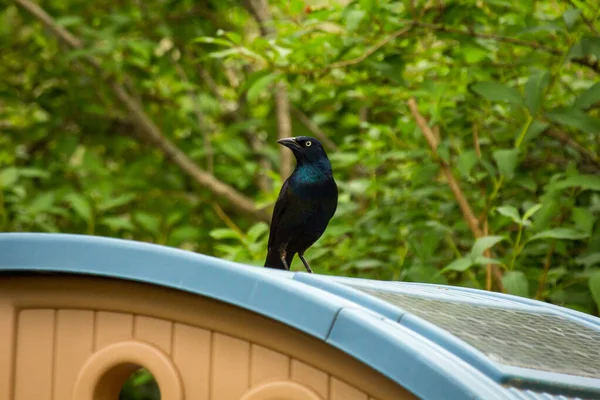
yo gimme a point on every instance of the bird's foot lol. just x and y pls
(308, 268)
(285, 264)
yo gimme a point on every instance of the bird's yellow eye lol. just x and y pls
(308, 144)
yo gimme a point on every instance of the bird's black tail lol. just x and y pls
(273, 261)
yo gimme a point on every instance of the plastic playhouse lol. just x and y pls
(79, 314)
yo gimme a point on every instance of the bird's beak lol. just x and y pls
(289, 142)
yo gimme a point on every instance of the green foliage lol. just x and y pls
(512, 86)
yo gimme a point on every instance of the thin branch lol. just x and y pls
(467, 212)
(314, 129)
(594, 65)
(146, 125)
(454, 186)
(547, 264)
(533, 45)
(586, 20)
(487, 253)
(225, 218)
(492, 36)
(212, 85)
(263, 181)
(370, 50)
(284, 130)
(490, 269)
(200, 119)
(259, 9)
(586, 62)
(476, 141)
(565, 139)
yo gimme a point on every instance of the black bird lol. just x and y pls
(306, 203)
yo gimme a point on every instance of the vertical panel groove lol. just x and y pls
(211, 362)
(230, 368)
(191, 355)
(155, 331)
(73, 343)
(250, 354)
(35, 354)
(172, 344)
(311, 376)
(54, 344)
(13, 374)
(134, 326)
(94, 331)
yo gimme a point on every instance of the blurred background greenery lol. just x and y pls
(157, 121)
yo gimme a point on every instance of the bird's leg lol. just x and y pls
(305, 263)
(282, 257)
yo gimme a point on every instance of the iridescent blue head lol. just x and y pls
(311, 160)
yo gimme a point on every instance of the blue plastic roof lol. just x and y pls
(427, 338)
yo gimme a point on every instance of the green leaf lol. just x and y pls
(584, 182)
(8, 177)
(575, 118)
(544, 216)
(507, 161)
(114, 202)
(34, 173)
(583, 219)
(149, 222)
(69, 21)
(494, 91)
(117, 223)
(368, 263)
(588, 259)
(238, 51)
(543, 28)
(234, 37)
(353, 19)
(590, 45)
(142, 377)
(510, 212)
(561, 234)
(484, 243)
(466, 161)
(260, 85)
(342, 159)
(41, 203)
(367, 5)
(571, 16)
(481, 260)
(257, 231)
(460, 265)
(594, 284)
(532, 210)
(212, 40)
(80, 205)
(534, 130)
(555, 274)
(516, 283)
(588, 98)
(576, 51)
(534, 90)
(184, 233)
(224, 233)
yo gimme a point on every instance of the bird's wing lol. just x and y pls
(281, 205)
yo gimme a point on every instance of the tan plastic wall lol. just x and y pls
(75, 338)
